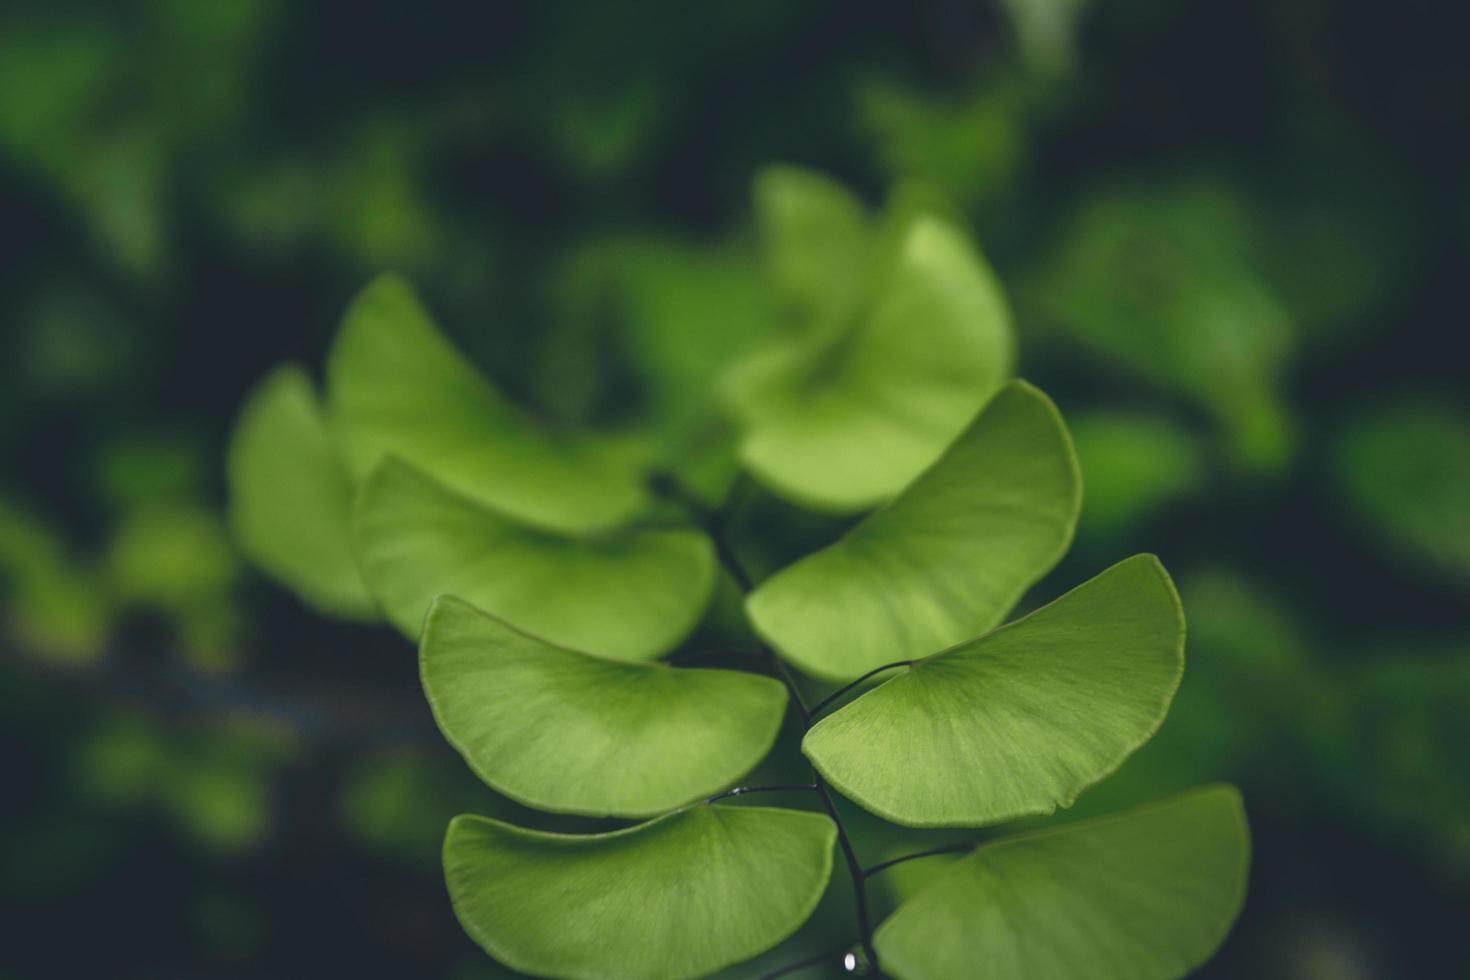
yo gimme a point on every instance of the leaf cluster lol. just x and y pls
(545, 572)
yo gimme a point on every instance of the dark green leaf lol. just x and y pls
(1407, 470)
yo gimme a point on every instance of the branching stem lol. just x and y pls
(817, 708)
(713, 525)
(946, 849)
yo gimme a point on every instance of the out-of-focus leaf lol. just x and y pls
(570, 732)
(630, 593)
(943, 562)
(174, 556)
(53, 607)
(1163, 285)
(396, 386)
(1134, 465)
(1407, 470)
(673, 316)
(1021, 720)
(972, 146)
(817, 243)
(215, 783)
(1398, 761)
(842, 420)
(290, 500)
(1147, 894)
(680, 896)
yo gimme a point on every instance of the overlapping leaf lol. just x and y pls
(574, 733)
(631, 594)
(1144, 895)
(290, 499)
(680, 896)
(818, 242)
(1020, 720)
(898, 354)
(396, 386)
(943, 562)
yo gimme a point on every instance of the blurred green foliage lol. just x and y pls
(1229, 233)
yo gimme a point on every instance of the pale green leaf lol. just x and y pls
(630, 593)
(396, 385)
(1148, 894)
(570, 732)
(680, 896)
(817, 241)
(1020, 720)
(842, 420)
(943, 562)
(290, 499)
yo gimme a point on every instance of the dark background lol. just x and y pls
(1234, 236)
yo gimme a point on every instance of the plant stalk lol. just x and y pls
(712, 524)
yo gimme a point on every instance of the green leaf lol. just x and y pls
(680, 896)
(943, 562)
(817, 239)
(1164, 284)
(1020, 720)
(395, 385)
(1148, 894)
(290, 500)
(573, 733)
(631, 593)
(1135, 464)
(1406, 470)
(840, 420)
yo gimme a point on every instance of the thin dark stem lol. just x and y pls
(778, 788)
(707, 519)
(854, 868)
(797, 701)
(714, 526)
(946, 849)
(817, 708)
(790, 968)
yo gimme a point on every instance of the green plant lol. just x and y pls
(544, 574)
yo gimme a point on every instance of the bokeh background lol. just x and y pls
(1234, 236)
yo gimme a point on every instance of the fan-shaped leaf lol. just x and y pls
(943, 562)
(566, 731)
(1144, 895)
(842, 419)
(631, 594)
(290, 500)
(680, 896)
(1020, 720)
(396, 385)
(817, 241)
